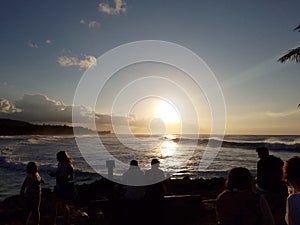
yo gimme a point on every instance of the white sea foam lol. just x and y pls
(17, 151)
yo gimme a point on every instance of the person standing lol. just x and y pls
(292, 175)
(31, 190)
(270, 184)
(65, 187)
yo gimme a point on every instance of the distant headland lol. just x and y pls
(15, 127)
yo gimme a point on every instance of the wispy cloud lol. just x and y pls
(90, 24)
(32, 44)
(86, 62)
(120, 7)
(281, 114)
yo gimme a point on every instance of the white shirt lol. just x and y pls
(292, 215)
(134, 179)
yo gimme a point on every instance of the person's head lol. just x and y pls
(32, 168)
(291, 171)
(262, 152)
(134, 163)
(239, 178)
(154, 163)
(63, 157)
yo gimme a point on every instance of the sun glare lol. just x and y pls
(167, 112)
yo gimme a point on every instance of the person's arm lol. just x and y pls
(267, 217)
(70, 172)
(24, 185)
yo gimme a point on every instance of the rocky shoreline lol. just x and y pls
(187, 202)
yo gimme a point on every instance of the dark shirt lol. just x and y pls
(269, 173)
(242, 208)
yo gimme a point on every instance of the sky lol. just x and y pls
(48, 46)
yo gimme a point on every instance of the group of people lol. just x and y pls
(262, 200)
(64, 188)
(246, 200)
(135, 180)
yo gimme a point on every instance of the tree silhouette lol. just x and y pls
(293, 54)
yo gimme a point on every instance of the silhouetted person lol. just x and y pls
(133, 178)
(292, 175)
(155, 190)
(31, 190)
(155, 179)
(270, 184)
(132, 207)
(65, 187)
(238, 204)
(269, 171)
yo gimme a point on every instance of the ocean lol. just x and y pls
(179, 156)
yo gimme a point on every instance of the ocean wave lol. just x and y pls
(12, 164)
(15, 164)
(282, 143)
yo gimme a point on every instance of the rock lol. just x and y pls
(100, 203)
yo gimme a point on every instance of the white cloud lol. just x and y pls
(281, 114)
(31, 44)
(120, 7)
(6, 107)
(90, 24)
(93, 24)
(86, 62)
(42, 109)
(48, 41)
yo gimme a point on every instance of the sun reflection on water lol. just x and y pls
(168, 148)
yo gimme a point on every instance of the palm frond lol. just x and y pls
(292, 55)
(297, 28)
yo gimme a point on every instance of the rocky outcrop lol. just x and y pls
(187, 202)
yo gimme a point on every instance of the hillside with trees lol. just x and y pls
(16, 127)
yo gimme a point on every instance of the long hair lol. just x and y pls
(63, 157)
(31, 168)
(239, 178)
(291, 170)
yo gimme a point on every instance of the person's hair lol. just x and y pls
(262, 150)
(31, 168)
(154, 161)
(63, 157)
(291, 170)
(134, 163)
(239, 178)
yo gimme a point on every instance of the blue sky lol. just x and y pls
(46, 46)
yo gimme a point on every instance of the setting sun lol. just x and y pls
(167, 112)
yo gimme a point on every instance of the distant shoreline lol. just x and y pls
(10, 127)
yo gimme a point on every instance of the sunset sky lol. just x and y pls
(46, 47)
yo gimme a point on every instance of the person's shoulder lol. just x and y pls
(69, 167)
(294, 198)
(126, 173)
(148, 172)
(275, 158)
(141, 172)
(224, 194)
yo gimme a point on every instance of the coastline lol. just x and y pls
(186, 201)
